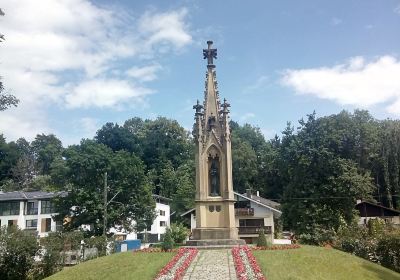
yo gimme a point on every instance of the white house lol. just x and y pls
(154, 232)
(31, 211)
(252, 214)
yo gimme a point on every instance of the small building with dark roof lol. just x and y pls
(368, 210)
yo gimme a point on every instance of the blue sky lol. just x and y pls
(77, 64)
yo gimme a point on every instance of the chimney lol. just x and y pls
(248, 193)
(358, 201)
(258, 193)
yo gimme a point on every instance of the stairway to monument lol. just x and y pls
(211, 265)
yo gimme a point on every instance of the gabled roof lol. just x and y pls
(20, 195)
(385, 209)
(260, 202)
(188, 212)
(161, 197)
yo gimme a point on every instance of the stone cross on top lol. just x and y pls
(210, 54)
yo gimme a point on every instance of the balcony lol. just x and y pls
(254, 230)
(244, 212)
(31, 211)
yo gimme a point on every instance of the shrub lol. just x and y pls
(179, 233)
(262, 240)
(319, 236)
(168, 242)
(376, 227)
(18, 249)
(388, 251)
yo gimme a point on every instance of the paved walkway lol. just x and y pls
(211, 265)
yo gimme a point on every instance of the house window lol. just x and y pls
(12, 223)
(46, 225)
(31, 208)
(47, 207)
(162, 213)
(9, 208)
(31, 223)
(162, 224)
(59, 226)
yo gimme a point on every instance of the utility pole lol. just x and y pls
(105, 204)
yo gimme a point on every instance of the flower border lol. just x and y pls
(183, 259)
(244, 258)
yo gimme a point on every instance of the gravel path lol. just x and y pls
(211, 265)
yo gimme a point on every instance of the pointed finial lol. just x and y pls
(198, 108)
(225, 106)
(210, 54)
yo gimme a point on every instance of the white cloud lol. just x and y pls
(57, 50)
(247, 116)
(356, 82)
(258, 85)
(144, 74)
(165, 27)
(397, 10)
(89, 126)
(268, 133)
(105, 93)
(336, 21)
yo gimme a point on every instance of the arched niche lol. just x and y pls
(214, 171)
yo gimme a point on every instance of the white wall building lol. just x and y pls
(31, 211)
(154, 232)
(252, 214)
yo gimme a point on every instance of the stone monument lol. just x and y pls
(215, 213)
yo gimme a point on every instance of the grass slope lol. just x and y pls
(311, 262)
(121, 266)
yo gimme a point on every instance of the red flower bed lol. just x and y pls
(246, 265)
(154, 250)
(278, 247)
(239, 265)
(177, 267)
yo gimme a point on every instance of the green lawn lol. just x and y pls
(121, 266)
(315, 263)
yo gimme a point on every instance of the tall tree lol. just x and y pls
(86, 165)
(6, 100)
(118, 138)
(46, 149)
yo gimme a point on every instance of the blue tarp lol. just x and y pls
(130, 245)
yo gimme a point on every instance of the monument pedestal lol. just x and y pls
(215, 233)
(215, 238)
(215, 243)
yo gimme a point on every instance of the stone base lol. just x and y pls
(215, 243)
(215, 233)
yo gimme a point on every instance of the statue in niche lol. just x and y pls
(214, 177)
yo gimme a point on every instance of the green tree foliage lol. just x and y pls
(6, 100)
(179, 233)
(46, 149)
(248, 157)
(118, 138)
(165, 140)
(8, 158)
(85, 167)
(323, 187)
(261, 240)
(18, 249)
(168, 242)
(183, 197)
